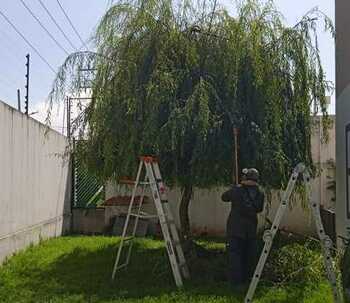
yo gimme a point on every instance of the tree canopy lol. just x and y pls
(172, 79)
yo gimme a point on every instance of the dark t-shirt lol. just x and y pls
(247, 201)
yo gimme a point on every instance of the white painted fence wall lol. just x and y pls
(34, 182)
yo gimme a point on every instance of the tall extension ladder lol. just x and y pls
(167, 223)
(326, 242)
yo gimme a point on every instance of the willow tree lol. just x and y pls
(173, 79)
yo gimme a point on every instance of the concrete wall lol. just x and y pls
(208, 214)
(34, 182)
(343, 117)
(88, 221)
(323, 155)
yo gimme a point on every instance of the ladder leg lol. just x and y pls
(116, 263)
(136, 221)
(173, 229)
(139, 210)
(325, 241)
(163, 223)
(270, 234)
(175, 236)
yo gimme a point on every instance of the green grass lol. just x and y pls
(78, 269)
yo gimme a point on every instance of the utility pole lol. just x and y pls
(26, 102)
(86, 75)
(69, 104)
(19, 99)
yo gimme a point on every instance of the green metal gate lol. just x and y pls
(88, 191)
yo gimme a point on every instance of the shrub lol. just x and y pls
(345, 268)
(298, 263)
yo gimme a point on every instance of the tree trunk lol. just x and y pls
(191, 249)
(184, 212)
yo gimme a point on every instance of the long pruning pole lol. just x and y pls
(235, 136)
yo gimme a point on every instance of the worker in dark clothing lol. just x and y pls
(247, 200)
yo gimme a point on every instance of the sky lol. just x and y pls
(85, 15)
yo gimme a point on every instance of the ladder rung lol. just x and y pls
(143, 216)
(122, 266)
(128, 239)
(132, 182)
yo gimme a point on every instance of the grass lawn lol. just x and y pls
(78, 269)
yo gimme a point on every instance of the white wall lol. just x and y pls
(34, 182)
(208, 214)
(323, 155)
(343, 116)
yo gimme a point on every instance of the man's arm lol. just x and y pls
(229, 196)
(259, 207)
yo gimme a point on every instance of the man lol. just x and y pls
(247, 201)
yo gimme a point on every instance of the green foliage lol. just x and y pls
(345, 266)
(78, 269)
(173, 79)
(295, 263)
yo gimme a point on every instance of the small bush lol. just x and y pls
(345, 268)
(292, 260)
(298, 263)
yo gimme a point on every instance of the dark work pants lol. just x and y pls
(242, 254)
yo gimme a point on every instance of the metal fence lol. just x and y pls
(88, 191)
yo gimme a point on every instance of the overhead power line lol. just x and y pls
(27, 41)
(58, 26)
(44, 28)
(71, 23)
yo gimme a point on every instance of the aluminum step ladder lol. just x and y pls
(325, 240)
(153, 179)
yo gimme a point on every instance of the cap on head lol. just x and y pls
(244, 171)
(252, 174)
